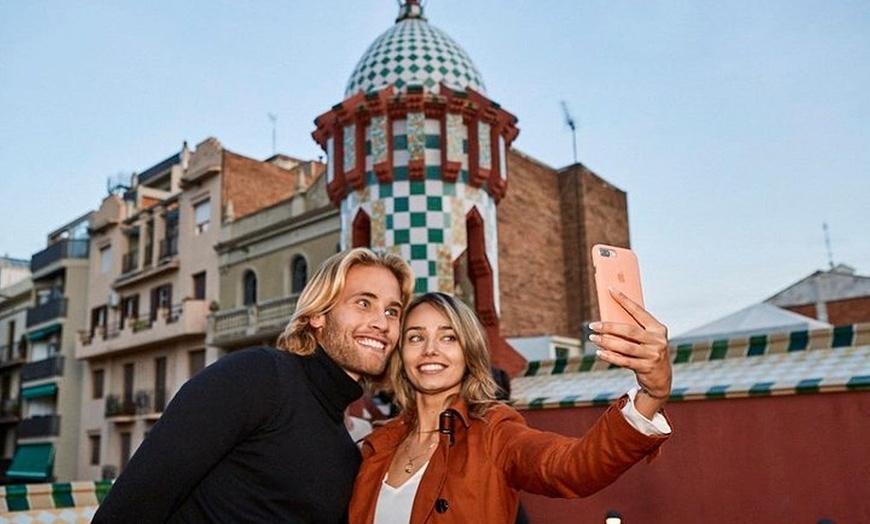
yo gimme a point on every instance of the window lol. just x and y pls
(129, 375)
(300, 274)
(95, 449)
(10, 334)
(196, 361)
(126, 448)
(106, 259)
(201, 216)
(199, 286)
(250, 288)
(159, 384)
(161, 298)
(98, 319)
(98, 378)
(169, 245)
(129, 308)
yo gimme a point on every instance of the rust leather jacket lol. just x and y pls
(478, 477)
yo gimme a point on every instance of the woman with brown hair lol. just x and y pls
(456, 454)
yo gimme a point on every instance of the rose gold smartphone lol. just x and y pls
(616, 267)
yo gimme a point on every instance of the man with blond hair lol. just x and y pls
(259, 436)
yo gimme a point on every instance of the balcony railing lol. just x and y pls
(13, 354)
(42, 426)
(50, 367)
(10, 408)
(186, 319)
(130, 262)
(59, 251)
(268, 317)
(169, 247)
(55, 308)
(143, 402)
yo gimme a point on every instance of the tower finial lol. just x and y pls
(410, 9)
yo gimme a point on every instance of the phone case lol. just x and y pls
(616, 267)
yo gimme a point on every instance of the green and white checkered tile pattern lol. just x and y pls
(795, 363)
(422, 220)
(414, 53)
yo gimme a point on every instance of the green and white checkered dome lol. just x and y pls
(413, 53)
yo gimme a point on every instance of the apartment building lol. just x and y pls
(15, 299)
(153, 280)
(50, 378)
(265, 260)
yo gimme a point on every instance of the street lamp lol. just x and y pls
(613, 517)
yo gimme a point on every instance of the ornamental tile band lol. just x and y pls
(724, 369)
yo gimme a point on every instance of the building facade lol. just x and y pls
(50, 379)
(15, 300)
(265, 260)
(153, 280)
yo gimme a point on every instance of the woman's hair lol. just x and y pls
(478, 388)
(321, 293)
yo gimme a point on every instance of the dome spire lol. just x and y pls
(410, 9)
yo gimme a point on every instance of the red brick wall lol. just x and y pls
(252, 185)
(594, 212)
(531, 276)
(547, 223)
(807, 310)
(840, 312)
(782, 459)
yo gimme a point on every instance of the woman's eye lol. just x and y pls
(449, 338)
(414, 338)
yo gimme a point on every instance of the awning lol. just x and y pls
(40, 334)
(43, 390)
(32, 462)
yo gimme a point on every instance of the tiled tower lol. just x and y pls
(416, 162)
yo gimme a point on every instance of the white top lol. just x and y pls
(394, 504)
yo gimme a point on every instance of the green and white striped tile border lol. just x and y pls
(27, 497)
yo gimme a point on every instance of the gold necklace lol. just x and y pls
(409, 465)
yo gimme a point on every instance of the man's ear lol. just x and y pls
(317, 322)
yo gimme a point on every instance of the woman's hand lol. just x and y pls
(643, 350)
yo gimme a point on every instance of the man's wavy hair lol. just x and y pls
(321, 293)
(478, 387)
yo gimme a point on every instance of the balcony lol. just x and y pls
(10, 410)
(51, 310)
(42, 426)
(57, 252)
(130, 262)
(248, 324)
(169, 247)
(143, 402)
(12, 355)
(185, 320)
(50, 367)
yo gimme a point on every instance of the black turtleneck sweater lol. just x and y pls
(256, 437)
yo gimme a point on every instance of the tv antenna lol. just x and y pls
(828, 245)
(569, 121)
(274, 118)
(117, 184)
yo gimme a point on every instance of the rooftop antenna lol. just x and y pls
(828, 245)
(274, 118)
(569, 121)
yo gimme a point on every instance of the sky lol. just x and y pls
(739, 129)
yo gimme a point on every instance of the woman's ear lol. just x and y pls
(317, 322)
